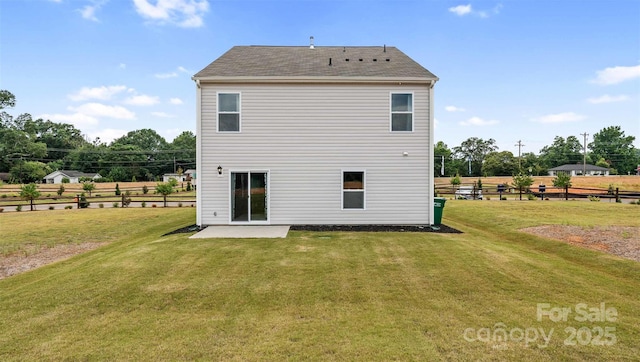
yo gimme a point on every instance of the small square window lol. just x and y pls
(401, 112)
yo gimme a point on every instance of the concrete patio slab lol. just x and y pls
(242, 231)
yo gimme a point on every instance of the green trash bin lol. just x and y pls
(438, 206)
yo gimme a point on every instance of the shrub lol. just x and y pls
(52, 208)
(65, 180)
(188, 186)
(1, 209)
(455, 180)
(179, 204)
(143, 204)
(118, 190)
(101, 205)
(488, 198)
(4, 196)
(126, 199)
(115, 204)
(68, 207)
(19, 208)
(145, 189)
(503, 198)
(531, 197)
(83, 203)
(594, 198)
(60, 190)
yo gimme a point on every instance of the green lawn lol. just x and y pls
(319, 296)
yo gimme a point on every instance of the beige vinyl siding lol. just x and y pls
(305, 136)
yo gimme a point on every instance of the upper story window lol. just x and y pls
(401, 112)
(228, 112)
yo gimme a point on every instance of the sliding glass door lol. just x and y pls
(249, 196)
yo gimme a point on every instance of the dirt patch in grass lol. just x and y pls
(32, 256)
(622, 241)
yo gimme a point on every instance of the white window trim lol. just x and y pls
(239, 111)
(364, 188)
(412, 112)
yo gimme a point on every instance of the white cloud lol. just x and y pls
(122, 66)
(172, 74)
(166, 75)
(559, 118)
(142, 100)
(454, 109)
(102, 110)
(461, 10)
(183, 13)
(78, 120)
(477, 121)
(107, 135)
(608, 99)
(162, 114)
(89, 11)
(101, 93)
(615, 75)
(176, 101)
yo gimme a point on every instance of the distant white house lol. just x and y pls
(73, 176)
(176, 176)
(576, 170)
(188, 175)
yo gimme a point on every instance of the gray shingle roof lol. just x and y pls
(71, 173)
(578, 166)
(284, 61)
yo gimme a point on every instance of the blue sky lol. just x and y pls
(509, 70)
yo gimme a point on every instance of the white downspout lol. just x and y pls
(199, 167)
(431, 173)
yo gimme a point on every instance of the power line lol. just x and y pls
(132, 152)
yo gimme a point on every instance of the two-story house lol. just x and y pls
(314, 135)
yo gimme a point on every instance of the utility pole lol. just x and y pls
(520, 145)
(584, 152)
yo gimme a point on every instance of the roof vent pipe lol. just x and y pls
(311, 43)
(385, 48)
(330, 62)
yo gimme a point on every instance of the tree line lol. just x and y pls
(32, 148)
(610, 148)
